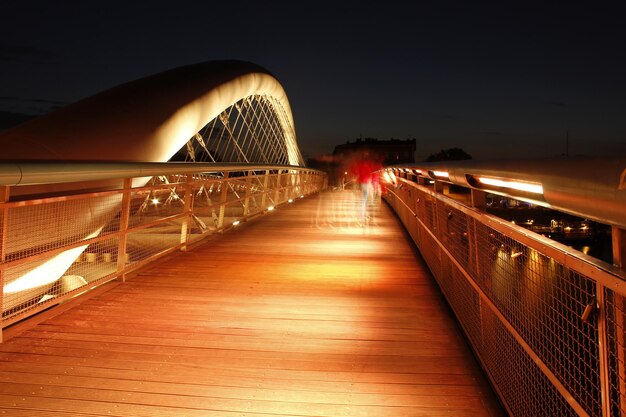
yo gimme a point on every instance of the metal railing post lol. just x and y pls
(184, 227)
(605, 384)
(4, 197)
(619, 259)
(439, 186)
(278, 185)
(124, 218)
(223, 197)
(293, 181)
(479, 199)
(266, 179)
(246, 201)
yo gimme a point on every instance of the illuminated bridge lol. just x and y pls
(165, 252)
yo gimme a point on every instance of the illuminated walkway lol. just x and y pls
(301, 313)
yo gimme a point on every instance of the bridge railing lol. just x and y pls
(68, 228)
(545, 321)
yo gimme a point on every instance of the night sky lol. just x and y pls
(505, 81)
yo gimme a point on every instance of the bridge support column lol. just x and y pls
(4, 220)
(124, 216)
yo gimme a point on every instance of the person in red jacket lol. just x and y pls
(365, 172)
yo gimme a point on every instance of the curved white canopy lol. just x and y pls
(148, 119)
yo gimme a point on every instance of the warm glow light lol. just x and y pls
(155, 201)
(418, 171)
(442, 174)
(48, 272)
(236, 222)
(270, 208)
(290, 200)
(301, 196)
(515, 185)
(515, 254)
(386, 177)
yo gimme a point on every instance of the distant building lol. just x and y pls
(387, 152)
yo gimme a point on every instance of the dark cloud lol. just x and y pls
(9, 119)
(32, 100)
(21, 53)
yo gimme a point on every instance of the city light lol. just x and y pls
(290, 200)
(442, 174)
(515, 185)
(270, 208)
(236, 222)
(155, 201)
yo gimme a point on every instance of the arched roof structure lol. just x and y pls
(149, 119)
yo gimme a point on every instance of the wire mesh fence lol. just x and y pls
(53, 248)
(522, 306)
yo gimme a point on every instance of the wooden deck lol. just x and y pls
(300, 313)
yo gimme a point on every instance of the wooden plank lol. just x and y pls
(283, 316)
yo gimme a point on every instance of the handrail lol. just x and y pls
(587, 187)
(39, 173)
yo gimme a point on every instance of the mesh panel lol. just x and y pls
(32, 284)
(35, 229)
(616, 335)
(147, 206)
(542, 300)
(147, 242)
(525, 389)
(453, 233)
